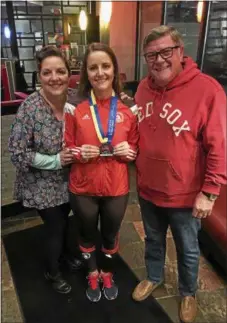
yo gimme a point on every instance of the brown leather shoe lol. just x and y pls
(188, 309)
(144, 289)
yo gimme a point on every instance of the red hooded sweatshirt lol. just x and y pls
(182, 138)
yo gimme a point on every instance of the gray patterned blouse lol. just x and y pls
(36, 129)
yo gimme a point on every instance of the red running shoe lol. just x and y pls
(93, 291)
(110, 289)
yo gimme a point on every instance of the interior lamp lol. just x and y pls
(83, 20)
(69, 28)
(199, 11)
(7, 32)
(105, 13)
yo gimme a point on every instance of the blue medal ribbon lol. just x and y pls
(97, 121)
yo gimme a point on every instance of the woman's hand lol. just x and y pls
(89, 151)
(66, 157)
(123, 150)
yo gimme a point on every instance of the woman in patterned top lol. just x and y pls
(41, 161)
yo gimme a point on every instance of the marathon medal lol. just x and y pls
(106, 149)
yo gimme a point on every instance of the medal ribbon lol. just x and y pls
(97, 121)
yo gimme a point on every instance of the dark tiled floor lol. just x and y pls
(212, 289)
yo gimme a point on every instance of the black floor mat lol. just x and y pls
(40, 304)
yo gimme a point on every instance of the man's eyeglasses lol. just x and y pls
(164, 53)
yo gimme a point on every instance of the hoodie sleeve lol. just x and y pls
(47, 162)
(133, 137)
(214, 140)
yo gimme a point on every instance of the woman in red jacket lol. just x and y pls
(102, 133)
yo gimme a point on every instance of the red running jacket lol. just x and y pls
(102, 176)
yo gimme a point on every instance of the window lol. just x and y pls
(215, 58)
(5, 41)
(37, 23)
(183, 16)
(151, 16)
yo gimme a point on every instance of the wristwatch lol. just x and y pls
(210, 196)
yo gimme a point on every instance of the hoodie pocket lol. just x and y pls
(159, 175)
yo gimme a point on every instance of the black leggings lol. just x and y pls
(88, 210)
(56, 229)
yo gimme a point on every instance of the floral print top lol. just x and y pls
(36, 129)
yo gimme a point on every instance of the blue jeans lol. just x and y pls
(184, 229)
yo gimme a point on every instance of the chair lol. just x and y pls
(21, 95)
(74, 81)
(10, 106)
(5, 84)
(214, 230)
(123, 77)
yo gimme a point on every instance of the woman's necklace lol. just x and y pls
(58, 113)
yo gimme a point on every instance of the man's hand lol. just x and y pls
(202, 207)
(123, 150)
(125, 97)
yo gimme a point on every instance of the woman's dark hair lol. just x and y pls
(49, 51)
(85, 86)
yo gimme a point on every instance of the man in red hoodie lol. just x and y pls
(181, 161)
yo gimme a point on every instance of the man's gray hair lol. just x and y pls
(162, 31)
